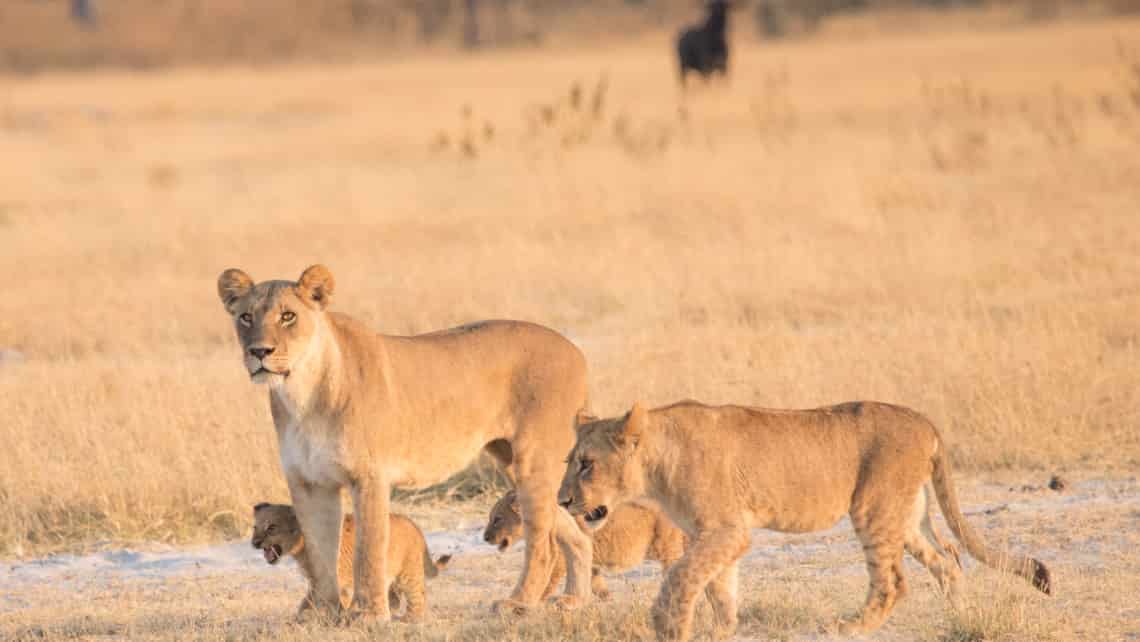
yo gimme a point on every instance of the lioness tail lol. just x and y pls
(1027, 567)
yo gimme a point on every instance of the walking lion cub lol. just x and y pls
(633, 534)
(719, 471)
(277, 533)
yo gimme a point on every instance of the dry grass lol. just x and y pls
(946, 222)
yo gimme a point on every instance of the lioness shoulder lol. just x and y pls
(277, 533)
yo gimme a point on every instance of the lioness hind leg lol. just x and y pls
(924, 544)
(536, 504)
(883, 548)
(557, 574)
(544, 436)
(573, 547)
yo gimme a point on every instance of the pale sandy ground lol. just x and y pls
(792, 585)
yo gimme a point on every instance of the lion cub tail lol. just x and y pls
(1027, 567)
(432, 568)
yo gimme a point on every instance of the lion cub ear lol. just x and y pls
(633, 426)
(316, 286)
(233, 284)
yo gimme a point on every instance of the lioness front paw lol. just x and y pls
(362, 614)
(723, 631)
(311, 612)
(850, 627)
(567, 602)
(668, 627)
(509, 607)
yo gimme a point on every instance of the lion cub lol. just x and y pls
(633, 534)
(277, 533)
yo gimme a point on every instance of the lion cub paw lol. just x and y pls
(509, 607)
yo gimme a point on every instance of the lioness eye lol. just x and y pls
(495, 522)
(246, 319)
(585, 465)
(270, 528)
(288, 317)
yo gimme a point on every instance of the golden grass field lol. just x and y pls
(948, 222)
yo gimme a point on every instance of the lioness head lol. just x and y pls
(504, 525)
(602, 471)
(276, 531)
(276, 321)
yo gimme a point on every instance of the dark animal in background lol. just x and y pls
(704, 48)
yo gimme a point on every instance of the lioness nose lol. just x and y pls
(261, 353)
(565, 503)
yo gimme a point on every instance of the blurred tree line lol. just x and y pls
(75, 33)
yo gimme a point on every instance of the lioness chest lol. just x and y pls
(314, 451)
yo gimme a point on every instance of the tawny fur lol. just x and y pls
(720, 471)
(275, 528)
(359, 410)
(633, 534)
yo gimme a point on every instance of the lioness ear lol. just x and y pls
(257, 507)
(583, 418)
(633, 425)
(316, 285)
(233, 284)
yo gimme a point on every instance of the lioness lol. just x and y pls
(719, 471)
(277, 533)
(633, 534)
(357, 409)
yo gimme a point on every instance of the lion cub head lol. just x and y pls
(276, 531)
(504, 524)
(277, 322)
(602, 471)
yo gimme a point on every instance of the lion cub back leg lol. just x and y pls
(924, 544)
(409, 584)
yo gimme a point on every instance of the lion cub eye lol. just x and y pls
(288, 317)
(269, 530)
(246, 319)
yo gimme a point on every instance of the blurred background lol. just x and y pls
(48, 34)
(929, 203)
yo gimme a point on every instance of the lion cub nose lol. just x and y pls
(261, 353)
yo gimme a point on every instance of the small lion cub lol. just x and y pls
(633, 534)
(277, 533)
